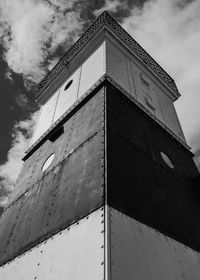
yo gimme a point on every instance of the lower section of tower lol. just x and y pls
(117, 201)
(140, 252)
(76, 252)
(106, 244)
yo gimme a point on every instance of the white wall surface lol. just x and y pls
(82, 80)
(45, 118)
(116, 66)
(76, 253)
(92, 70)
(69, 96)
(139, 252)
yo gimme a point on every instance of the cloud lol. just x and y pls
(22, 101)
(169, 31)
(8, 75)
(112, 6)
(9, 171)
(32, 30)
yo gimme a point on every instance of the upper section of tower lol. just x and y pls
(106, 23)
(106, 52)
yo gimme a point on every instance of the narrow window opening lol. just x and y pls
(68, 85)
(56, 134)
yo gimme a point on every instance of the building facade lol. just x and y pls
(109, 188)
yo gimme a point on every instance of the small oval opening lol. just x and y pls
(48, 162)
(167, 160)
(68, 85)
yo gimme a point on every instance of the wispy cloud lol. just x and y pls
(9, 171)
(112, 6)
(32, 30)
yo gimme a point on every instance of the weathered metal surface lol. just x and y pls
(152, 192)
(92, 70)
(69, 191)
(139, 252)
(70, 188)
(87, 121)
(67, 97)
(74, 253)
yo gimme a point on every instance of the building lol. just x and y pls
(108, 189)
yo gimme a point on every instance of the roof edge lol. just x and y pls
(106, 20)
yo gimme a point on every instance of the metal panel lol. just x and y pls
(116, 66)
(69, 191)
(74, 253)
(170, 115)
(92, 70)
(25, 176)
(152, 192)
(46, 117)
(87, 121)
(139, 252)
(68, 96)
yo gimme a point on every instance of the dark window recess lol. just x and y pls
(68, 85)
(56, 134)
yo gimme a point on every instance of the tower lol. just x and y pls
(108, 186)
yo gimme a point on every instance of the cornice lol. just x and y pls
(106, 20)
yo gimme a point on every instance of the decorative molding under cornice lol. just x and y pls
(106, 20)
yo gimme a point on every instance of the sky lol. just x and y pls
(35, 34)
